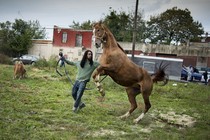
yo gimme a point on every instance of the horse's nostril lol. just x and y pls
(97, 45)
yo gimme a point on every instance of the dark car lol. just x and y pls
(27, 59)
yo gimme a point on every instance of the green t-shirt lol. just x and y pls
(86, 72)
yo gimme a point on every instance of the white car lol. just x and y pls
(27, 59)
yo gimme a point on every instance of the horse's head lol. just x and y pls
(99, 34)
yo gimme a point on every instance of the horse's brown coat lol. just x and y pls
(115, 63)
(19, 70)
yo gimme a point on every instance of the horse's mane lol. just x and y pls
(113, 37)
(121, 48)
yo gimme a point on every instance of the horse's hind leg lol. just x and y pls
(131, 92)
(147, 106)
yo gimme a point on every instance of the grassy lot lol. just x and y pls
(39, 107)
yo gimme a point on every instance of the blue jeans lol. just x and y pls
(77, 92)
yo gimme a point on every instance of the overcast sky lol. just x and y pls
(63, 12)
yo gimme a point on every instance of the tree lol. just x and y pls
(87, 25)
(76, 25)
(37, 32)
(173, 25)
(141, 25)
(121, 25)
(16, 38)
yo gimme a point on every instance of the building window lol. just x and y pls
(78, 40)
(64, 37)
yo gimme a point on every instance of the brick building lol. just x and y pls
(69, 41)
(67, 37)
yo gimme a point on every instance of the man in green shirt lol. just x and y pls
(85, 69)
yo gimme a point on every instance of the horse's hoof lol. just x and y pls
(136, 121)
(126, 115)
(121, 117)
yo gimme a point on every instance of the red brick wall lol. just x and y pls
(71, 37)
(87, 39)
(208, 62)
(189, 60)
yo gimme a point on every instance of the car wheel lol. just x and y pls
(33, 63)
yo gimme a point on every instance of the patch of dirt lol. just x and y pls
(36, 69)
(146, 130)
(40, 74)
(162, 119)
(105, 132)
(47, 110)
(178, 120)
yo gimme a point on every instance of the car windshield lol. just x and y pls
(25, 57)
(29, 57)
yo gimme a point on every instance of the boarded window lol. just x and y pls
(201, 61)
(64, 37)
(78, 40)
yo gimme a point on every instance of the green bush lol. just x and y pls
(51, 63)
(41, 63)
(4, 59)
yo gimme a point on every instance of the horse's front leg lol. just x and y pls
(96, 77)
(101, 71)
(107, 67)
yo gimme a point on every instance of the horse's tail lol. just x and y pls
(160, 74)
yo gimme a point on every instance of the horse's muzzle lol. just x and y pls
(97, 45)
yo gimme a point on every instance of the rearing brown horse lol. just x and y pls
(115, 63)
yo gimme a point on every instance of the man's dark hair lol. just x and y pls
(84, 58)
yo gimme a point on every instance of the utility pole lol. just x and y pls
(134, 30)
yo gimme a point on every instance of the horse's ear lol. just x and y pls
(100, 22)
(93, 25)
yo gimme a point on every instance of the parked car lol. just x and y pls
(186, 74)
(27, 59)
